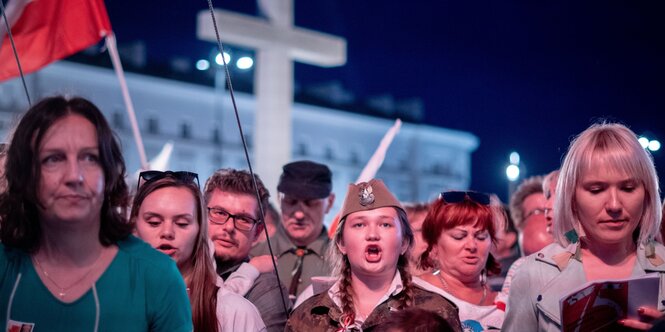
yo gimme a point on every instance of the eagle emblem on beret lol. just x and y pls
(365, 194)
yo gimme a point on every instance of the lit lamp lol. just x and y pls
(652, 145)
(513, 172)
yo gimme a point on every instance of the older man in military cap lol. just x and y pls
(301, 241)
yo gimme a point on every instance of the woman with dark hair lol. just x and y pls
(607, 215)
(3, 156)
(370, 254)
(168, 213)
(460, 230)
(67, 259)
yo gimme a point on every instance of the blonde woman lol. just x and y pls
(607, 217)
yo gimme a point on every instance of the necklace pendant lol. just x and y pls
(62, 294)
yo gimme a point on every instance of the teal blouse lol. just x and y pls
(141, 290)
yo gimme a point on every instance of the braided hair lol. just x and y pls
(403, 267)
(346, 290)
(342, 268)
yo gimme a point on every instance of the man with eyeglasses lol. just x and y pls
(234, 224)
(527, 208)
(301, 240)
(549, 189)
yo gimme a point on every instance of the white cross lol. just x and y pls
(277, 43)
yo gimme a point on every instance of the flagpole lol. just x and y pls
(14, 11)
(372, 166)
(117, 66)
(375, 162)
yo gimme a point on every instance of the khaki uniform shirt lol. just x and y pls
(314, 263)
(322, 313)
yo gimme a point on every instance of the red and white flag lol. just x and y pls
(48, 30)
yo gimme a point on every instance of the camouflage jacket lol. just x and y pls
(319, 313)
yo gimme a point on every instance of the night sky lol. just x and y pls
(521, 75)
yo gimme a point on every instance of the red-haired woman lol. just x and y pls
(460, 229)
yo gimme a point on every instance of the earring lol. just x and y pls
(572, 236)
(435, 264)
(483, 277)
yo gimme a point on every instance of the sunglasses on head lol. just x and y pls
(184, 176)
(460, 196)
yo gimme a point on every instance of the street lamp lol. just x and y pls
(652, 145)
(218, 58)
(245, 63)
(202, 64)
(513, 172)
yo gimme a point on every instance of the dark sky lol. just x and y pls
(521, 75)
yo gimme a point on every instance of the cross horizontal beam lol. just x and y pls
(302, 45)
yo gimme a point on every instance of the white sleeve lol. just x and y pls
(505, 289)
(242, 280)
(304, 295)
(522, 313)
(319, 284)
(235, 313)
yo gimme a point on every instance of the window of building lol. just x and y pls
(302, 149)
(328, 153)
(153, 126)
(216, 136)
(216, 159)
(248, 140)
(118, 120)
(355, 158)
(404, 165)
(185, 130)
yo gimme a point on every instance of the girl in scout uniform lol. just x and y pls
(371, 255)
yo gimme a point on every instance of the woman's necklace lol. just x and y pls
(63, 290)
(449, 290)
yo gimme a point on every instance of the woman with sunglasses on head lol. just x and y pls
(459, 230)
(240, 281)
(606, 220)
(370, 254)
(68, 261)
(168, 213)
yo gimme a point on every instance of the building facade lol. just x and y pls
(422, 161)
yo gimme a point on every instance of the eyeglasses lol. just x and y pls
(183, 176)
(536, 212)
(219, 216)
(460, 196)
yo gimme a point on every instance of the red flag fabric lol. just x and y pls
(49, 30)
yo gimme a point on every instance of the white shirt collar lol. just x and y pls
(395, 288)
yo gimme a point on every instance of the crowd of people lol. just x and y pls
(84, 247)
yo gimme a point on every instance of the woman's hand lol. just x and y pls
(263, 263)
(649, 313)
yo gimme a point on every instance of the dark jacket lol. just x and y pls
(319, 313)
(267, 298)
